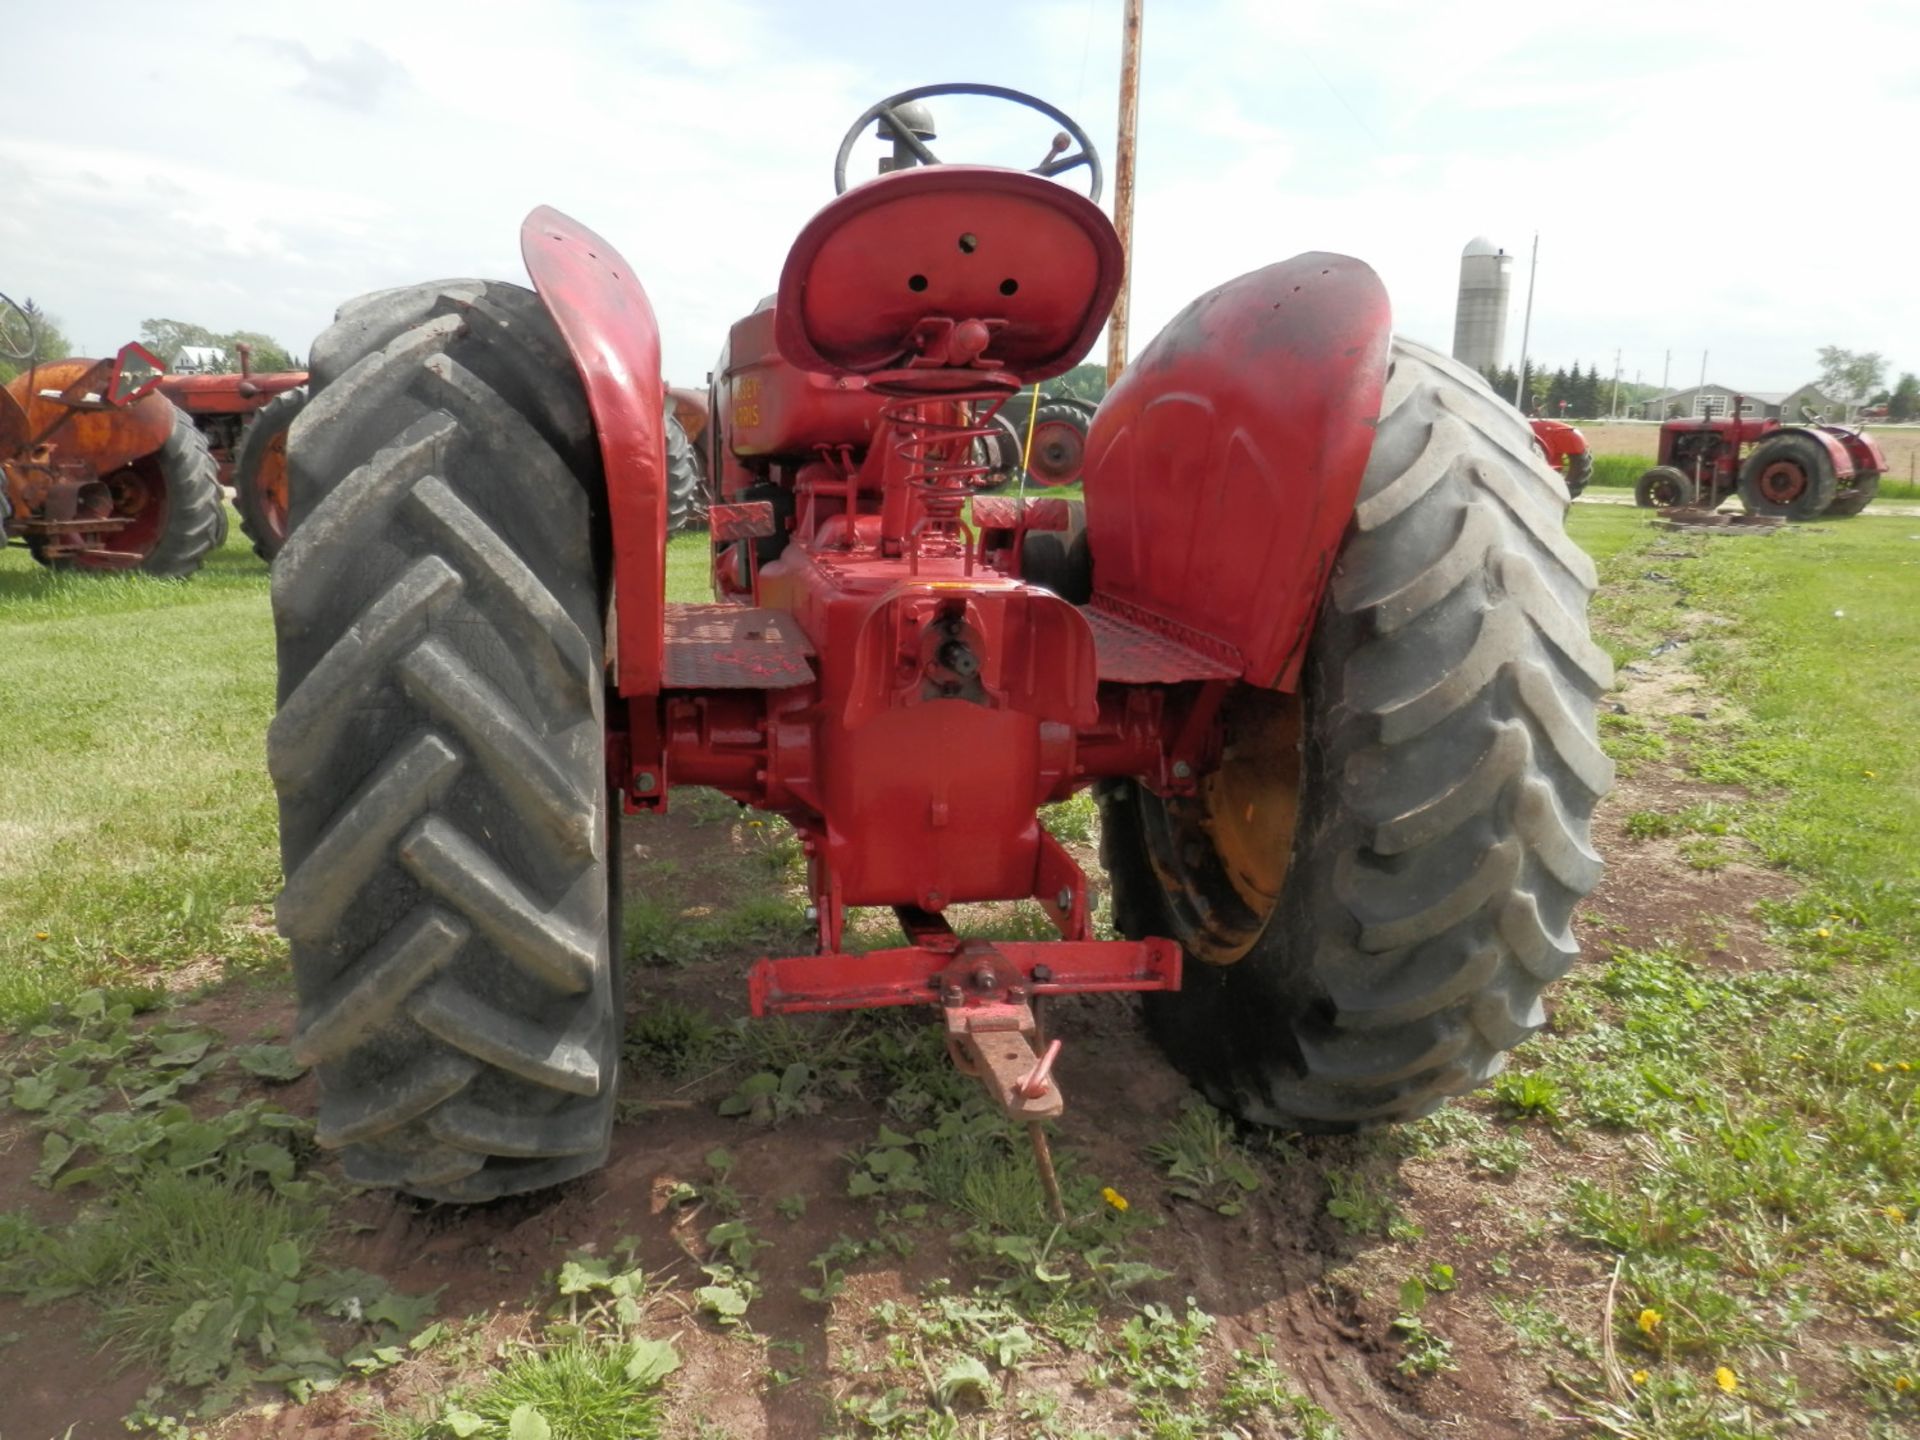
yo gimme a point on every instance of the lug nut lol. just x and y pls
(1064, 899)
(1182, 770)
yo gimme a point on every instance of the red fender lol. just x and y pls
(1863, 453)
(608, 325)
(1222, 470)
(1838, 453)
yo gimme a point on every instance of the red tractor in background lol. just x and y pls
(97, 471)
(1801, 472)
(245, 419)
(1317, 640)
(1565, 450)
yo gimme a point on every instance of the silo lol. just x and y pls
(1480, 318)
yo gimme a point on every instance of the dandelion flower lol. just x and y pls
(1876, 1067)
(1726, 1379)
(1796, 1056)
(1895, 1214)
(1639, 1377)
(1902, 1065)
(1902, 1383)
(1114, 1198)
(1822, 932)
(1649, 1321)
(39, 934)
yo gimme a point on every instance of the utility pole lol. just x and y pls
(1123, 186)
(1613, 412)
(1526, 326)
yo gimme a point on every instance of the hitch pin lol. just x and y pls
(1033, 1084)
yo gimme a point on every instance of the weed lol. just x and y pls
(1528, 1093)
(1361, 1210)
(212, 1280)
(1204, 1160)
(676, 1039)
(576, 1390)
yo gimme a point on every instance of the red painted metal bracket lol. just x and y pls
(911, 975)
(1006, 512)
(607, 322)
(749, 520)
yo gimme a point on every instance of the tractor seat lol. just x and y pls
(1037, 262)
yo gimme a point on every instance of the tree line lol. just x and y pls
(1568, 392)
(165, 338)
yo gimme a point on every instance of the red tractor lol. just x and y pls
(1317, 640)
(1565, 451)
(97, 472)
(1799, 471)
(245, 418)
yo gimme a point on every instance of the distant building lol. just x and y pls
(1480, 312)
(1700, 402)
(199, 358)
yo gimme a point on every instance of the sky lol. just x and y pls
(1723, 178)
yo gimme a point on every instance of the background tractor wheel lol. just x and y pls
(686, 493)
(1665, 488)
(174, 501)
(1059, 560)
(1059, 450)
(1856, 497)
(439, 750)
(1376, 884)
(1579, 472)
(260, 473)
(1788, 475)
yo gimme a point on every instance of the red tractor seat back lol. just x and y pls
(956, 243)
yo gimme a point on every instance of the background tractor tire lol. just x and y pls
(1856, 497)
(1788, 475)
(1665, 488)
(260, 473)
(439, 749)
(1447, 768)
(178, 509)
(1059, 450)
(1579, 472)
(686, 492)
(1060, 560)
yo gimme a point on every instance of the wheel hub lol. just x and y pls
(1059, 450)
(1222, 855)
(1783, 482)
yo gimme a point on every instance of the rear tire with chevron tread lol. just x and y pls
(439, 748)
(1448, 772)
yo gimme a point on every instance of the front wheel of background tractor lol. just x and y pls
(1579, 473)
(1665, 488)
(1376, 884)
(439, 750)
(1058, 452)
(1856, 497)
(1788, 475)
(685, 507)
(260, 473)
(175, 512)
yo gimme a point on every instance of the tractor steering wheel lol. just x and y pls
(19, 336)
(1054, 164)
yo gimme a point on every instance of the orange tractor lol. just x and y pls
(1318, 644)
(97, 471)
(245, 419)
